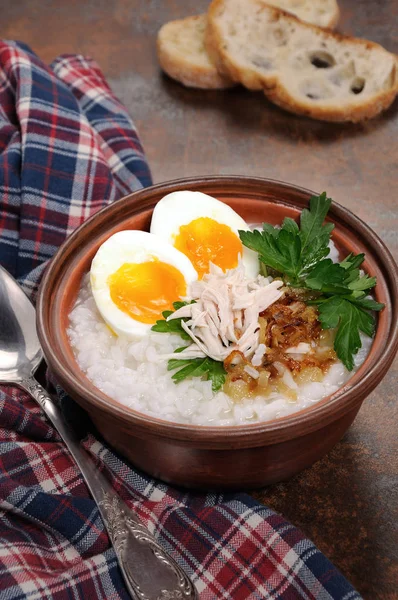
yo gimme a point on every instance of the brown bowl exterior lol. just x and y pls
(216, 457)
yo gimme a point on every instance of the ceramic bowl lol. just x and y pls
(244, 456)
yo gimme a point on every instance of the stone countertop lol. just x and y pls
(346, 503)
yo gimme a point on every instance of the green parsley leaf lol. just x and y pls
(207, 368)
(290, 225)
(178, 350)
(366, 321)
(180, 303)
(367, 303)
(279, 249)
(338, 312)
(327, 277)
(352, 261)
(291, 250)
(362, 283)
(354, 279)
(174, 325)
(270, 229)
(350, 319)
(313, 234)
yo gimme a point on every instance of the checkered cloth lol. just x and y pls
(68, 148)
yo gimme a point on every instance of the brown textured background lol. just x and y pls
(348, 502)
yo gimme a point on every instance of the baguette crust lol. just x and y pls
(188, 63)
(281, 97)
(324, 13)
(334, 19)
(281, 83)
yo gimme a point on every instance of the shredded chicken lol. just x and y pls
(258, 355)
(225, 315)
(252, 372)
(301, 348)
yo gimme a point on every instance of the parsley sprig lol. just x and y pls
(291, 251)
(297, 254)
(173, 326)
(207, 368)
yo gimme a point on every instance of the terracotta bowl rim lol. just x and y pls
(310, 418)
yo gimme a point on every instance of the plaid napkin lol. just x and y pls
(68, 148)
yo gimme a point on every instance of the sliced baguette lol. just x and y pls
(181, 44)
(182, 54)
(302, 68)
(324, 13)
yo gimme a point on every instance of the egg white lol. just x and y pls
(130, 246)
(180, 208)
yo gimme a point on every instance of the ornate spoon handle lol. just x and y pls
(149, 572)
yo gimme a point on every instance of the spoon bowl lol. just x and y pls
(20, 350)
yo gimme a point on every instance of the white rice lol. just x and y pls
(132, 373)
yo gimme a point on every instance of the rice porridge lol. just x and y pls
(133, 373)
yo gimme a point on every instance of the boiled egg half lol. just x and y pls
(135, 276)
(205, 230)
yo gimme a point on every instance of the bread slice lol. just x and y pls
(181, 44)
(324, 13)
(302, 68)
(182, 54)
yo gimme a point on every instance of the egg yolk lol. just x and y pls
(145, 290)
(204, 240)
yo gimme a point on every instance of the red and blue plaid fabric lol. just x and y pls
(68, 148)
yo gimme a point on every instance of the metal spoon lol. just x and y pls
(149, 572)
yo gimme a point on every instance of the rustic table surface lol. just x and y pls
(346, 503)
